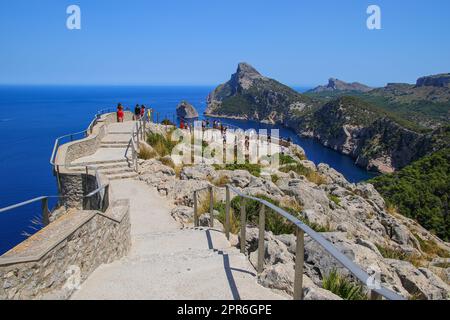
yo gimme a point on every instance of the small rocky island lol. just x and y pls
(185, 110)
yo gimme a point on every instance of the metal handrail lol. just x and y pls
(302, 228)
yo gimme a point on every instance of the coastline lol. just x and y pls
(301, 135)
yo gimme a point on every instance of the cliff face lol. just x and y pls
(347, 124)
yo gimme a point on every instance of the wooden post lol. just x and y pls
(211, 206)
(227, 213)
(374, 295)
(299, 260)
(86, 181)
(195, 210)
(262, 227)
(45, 212)
(105, 202)
(58, 180)
(243, 225)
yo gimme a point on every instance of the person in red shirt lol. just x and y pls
(120, 113)
(181, 124)
(142, 112)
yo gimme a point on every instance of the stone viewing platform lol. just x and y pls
(133, 250)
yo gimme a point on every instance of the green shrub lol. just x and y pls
(310, 174)
(161, 144)
(253, 169)
(335, 199)
(421, 191)
(343, 287)
(146, 153)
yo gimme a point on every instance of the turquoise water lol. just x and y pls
(31, 118)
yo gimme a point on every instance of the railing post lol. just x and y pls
(299, 260)
(58, 179)
(374, 295)
(211, 206)
(243, 225)
(261, 249)
(86, 179)
(105, 202)
(45, 212)
(195, 210)
(137, 132)
(227, 212)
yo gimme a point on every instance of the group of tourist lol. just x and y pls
(139, 112)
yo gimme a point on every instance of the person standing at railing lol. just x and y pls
(142, 114)
(137, 112)
(120, 113)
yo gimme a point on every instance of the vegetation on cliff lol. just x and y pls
(421, 191)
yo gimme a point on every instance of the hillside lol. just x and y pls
(426, 103)
(421, 191)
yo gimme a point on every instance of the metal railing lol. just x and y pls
(301, 230)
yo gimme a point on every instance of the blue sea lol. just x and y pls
(32, 117)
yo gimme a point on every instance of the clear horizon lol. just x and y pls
(174, 43)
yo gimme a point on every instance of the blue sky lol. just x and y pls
(201, 41)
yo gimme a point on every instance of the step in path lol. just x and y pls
(113, 158)
(167, 261)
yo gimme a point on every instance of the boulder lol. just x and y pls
(198, 172)
(420, 283)
(185, 110)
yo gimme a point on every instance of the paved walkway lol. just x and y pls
(168, 262)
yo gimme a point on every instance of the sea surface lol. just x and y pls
(32, 117)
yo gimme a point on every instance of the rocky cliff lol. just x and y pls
(359, 130)
(249, 95)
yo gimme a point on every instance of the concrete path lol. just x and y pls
(168, 262)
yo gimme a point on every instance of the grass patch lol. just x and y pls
(146, 153)
(396, 254)
(310, 174)
(431, 248)
(275, 178)
(163, 145)
(335, 199)
(222, 181)
(253, 169)
(342, 287)
(167, 122)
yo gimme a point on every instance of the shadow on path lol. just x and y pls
(227, 267)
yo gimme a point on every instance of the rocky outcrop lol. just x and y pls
(440, 80)
(249, 95)
(185, 110)
(339, 85)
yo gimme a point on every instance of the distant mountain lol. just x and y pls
(341, 86)
(425, 103)
(250, 95)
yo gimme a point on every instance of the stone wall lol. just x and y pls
(51, 263)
